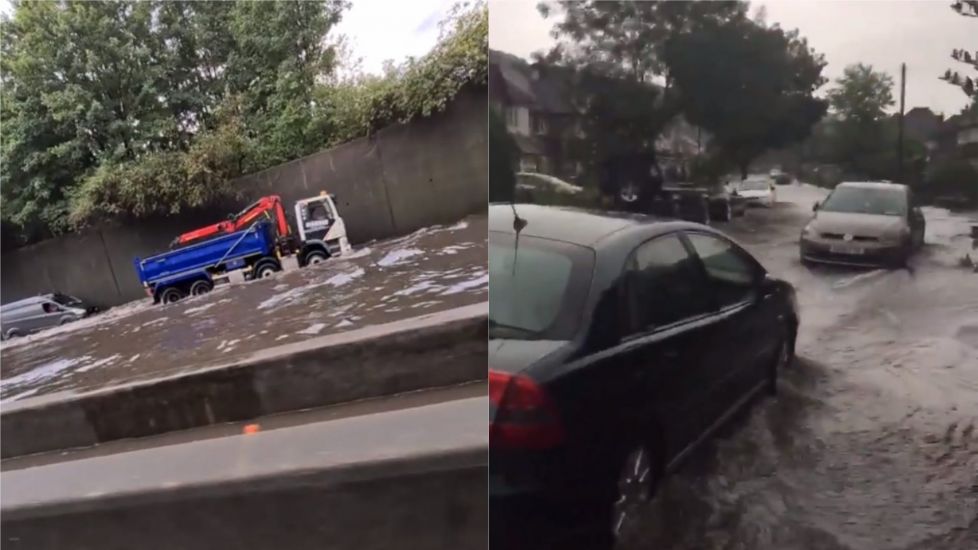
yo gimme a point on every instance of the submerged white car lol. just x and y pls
(757, 191)
(532, 181)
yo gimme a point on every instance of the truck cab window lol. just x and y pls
(318, 212)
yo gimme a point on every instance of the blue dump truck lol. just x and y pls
(193, 270)
(253, 243)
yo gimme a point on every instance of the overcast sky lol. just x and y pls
(383, 29)
(379, 30)
(920, 33)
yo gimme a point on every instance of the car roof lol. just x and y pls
(579, 226)
(873, 185)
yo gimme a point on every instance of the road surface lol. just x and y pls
(872, 441)
(430, 270)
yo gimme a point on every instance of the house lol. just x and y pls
(538, 115)
(535, 100)
(921, 124)
(957, 138)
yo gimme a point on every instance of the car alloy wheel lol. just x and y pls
(628, 193)
(634, 488)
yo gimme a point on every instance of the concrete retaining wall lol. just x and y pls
(430, 171)
(408, 478)
(441, 349)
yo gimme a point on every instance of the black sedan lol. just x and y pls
(617, 344)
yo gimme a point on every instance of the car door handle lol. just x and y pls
(670, 354)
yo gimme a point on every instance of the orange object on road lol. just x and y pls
(251, 429)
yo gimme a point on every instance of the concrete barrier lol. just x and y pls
(409, 478)
(440, 349)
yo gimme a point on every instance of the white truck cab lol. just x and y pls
(322, 232)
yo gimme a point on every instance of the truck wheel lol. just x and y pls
(315, 257)
(200, 287)
(265, 270)
(171, 295)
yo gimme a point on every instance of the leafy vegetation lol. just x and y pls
(968, 84)
(118, 109)
(640, 64)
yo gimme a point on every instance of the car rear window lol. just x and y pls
(538, 287)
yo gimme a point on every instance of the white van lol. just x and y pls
(30, 315)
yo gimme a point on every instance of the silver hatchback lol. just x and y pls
(864, 223)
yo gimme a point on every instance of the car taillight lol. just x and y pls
(525, 416)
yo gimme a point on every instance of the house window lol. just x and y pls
(512, 117)
(539, 125)
(529, 163)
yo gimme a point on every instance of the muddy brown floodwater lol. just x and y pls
(430, 270)
(872, 440)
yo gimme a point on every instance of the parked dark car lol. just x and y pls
(618, 343)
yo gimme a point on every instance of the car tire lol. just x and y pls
(315, 257)
(171, 295)
(781, 361)
(634, 485)
(200, 287)
(265, 270)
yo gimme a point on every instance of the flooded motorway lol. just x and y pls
(872, 440)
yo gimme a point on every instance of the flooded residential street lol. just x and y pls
(872, 440)
(430, 270)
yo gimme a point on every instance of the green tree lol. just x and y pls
(862, 95)
(864, 137)
(124, 109)
(612, 60)
(503, 160)
(627, 39)
(92, 89)
(968, 84)
(750, 86)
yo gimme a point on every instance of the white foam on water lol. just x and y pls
(398, 256)
(100, 363)
(21, 395)
(344, 278)
(423, 286)
(482, 280)
(343, 323)
(42, 373)
(357, 253)
(849, 281)
(198, 309)
(313, 329)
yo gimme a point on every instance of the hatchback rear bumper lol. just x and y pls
(874, 255)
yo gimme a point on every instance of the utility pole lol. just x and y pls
(903, 94)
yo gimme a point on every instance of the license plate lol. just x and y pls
(843, 249)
